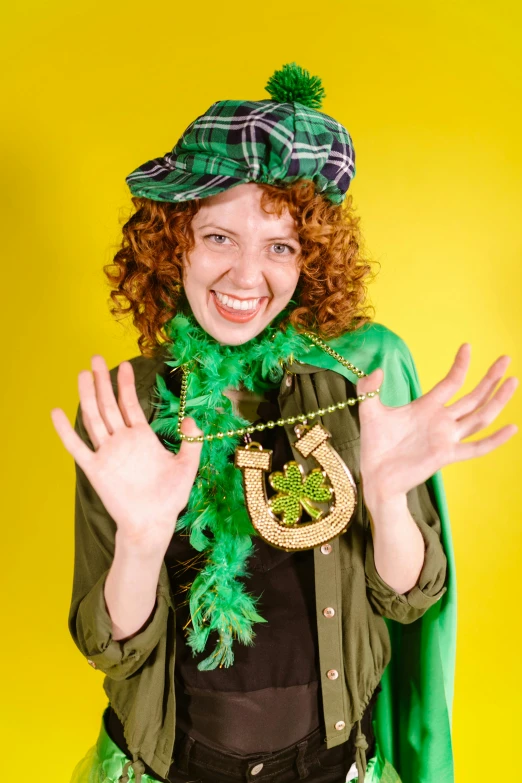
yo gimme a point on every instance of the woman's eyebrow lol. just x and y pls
(229, 231)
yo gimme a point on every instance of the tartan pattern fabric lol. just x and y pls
(236, 142)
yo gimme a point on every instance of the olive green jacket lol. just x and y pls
(355, 641)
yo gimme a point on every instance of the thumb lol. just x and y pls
(189, 452)
(370, 383)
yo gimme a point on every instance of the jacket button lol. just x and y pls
(256, 770)
(329, 611)
(326, 549)
(92, 663)
(333, 674)
(340, 725)
(288, 380)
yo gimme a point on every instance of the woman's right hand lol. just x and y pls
(142, 485)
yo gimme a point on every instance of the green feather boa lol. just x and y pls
(216, 515)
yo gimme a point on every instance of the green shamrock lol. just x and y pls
(294, 490)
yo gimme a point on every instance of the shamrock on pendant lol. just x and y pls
(295, 489)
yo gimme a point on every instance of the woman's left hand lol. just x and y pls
(402, 447)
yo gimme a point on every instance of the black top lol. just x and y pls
(270, 697)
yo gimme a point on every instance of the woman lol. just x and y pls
(242, 630)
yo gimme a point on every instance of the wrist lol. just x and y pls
(384, 504)
(148, 548)
(378, 486)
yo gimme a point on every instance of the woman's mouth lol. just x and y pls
(238, 310)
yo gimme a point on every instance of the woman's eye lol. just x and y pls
(288, 247)
(218, 236)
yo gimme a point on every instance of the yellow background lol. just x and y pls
(430, 93)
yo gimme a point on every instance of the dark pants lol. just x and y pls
(308, 760)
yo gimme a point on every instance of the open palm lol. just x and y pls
(142, 485)
(401, 447)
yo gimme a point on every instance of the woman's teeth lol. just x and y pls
(237, 304)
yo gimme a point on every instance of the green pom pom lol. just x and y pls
(293, 83)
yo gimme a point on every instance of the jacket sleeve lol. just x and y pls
(431, 584)
(89, 621)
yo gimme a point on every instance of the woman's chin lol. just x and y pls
(236, 334)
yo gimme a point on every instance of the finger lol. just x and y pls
(107, 403)
(94, 424)
(477, 448)
(479, 419)
(190, 453)
(452, 382)
(71, 440)
(128, 401)
(482, 392)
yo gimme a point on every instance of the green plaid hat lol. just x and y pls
(275, 141)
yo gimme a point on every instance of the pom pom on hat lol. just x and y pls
(293, 83)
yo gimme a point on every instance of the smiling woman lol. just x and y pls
(244, 598)
(256, 244)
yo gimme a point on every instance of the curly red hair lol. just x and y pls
(146, 272)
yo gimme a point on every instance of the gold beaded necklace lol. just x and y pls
(280, 422)
(278, 520)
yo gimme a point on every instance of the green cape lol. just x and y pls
(413, 713)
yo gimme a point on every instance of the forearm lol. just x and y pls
(131, 586)
(398, 543)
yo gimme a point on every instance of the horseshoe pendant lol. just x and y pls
(277, 520)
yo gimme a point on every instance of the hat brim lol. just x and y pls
(159, 182)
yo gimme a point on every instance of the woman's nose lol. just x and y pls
(246, 271)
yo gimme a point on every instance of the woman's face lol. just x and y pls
(244, 266)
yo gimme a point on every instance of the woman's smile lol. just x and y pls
(236, 309)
